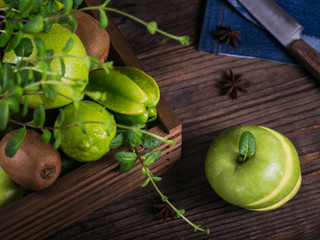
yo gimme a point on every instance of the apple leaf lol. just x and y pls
(247, 144)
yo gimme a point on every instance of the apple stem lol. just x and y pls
(242, 159)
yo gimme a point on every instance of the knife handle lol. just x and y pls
(307, 57)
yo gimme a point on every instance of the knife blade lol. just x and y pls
(286, 30)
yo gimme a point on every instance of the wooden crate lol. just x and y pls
(93, 185)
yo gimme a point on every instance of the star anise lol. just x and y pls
(233, 84)
(227, 35)
(165, 210)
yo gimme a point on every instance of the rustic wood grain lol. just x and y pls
(280, 96)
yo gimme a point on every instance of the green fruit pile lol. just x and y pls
(84, 129)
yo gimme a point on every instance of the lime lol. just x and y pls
(100, 130)
(10, 191)
(75, 67)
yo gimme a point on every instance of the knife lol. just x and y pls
(287, 31)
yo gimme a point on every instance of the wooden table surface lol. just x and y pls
(281, 96)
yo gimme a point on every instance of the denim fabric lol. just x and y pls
(256, 41)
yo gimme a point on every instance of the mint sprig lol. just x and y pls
(128, 160)
(247, 146)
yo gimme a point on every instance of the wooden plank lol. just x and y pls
(91, 186)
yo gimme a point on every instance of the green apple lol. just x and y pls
(75, 67)
(265, 181)
(10, 191)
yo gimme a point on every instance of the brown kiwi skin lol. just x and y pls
(35, 166)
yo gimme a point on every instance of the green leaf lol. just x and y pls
(180, 212)
(149, 142)
(110, 125)
(60, 118)
(126, 157)
(35, 25)
(49, 91)
(25, 48)
(117, 141)
(94, 62)
(68, 46)
(157, 179)
(15, 142)
(81, 124)
(25, 108)
(164, 198)
(247, 144)
(14, 41)
(14, 104)
(4, 38)
(5, 114)
(69, 21)
(25, 7)
(103, 19)
(37, 5)
(39, 115)
(63, 66)
(145, 183)
(41, 48)
(49, 54)
(152, 27)
(151, 157)
(67, 6)
(57, 141)
(77, 3)
(126, 167)
(46, 136)
(184, 40)
(146, 172)
(51, 7)
(8, 76)
(134, 138)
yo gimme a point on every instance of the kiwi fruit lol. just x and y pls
(35, 166)
(96, 41)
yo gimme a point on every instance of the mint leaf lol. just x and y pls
(14, 41)
(247, 144)
(24, 48)
(126, 157)
(57, 141)
(117, 141)
(63, 67)
(126, 167)
(60, 118)
(15, 142)
(145, 183)
(35, 25)
(4, 116)
(149, 142)
(41, 48)
(46, 136)
(81, 124)
(134, 138)
(151, 157)
(39, 115)
(68, 46)
(152, 27)
(103, 19)
(67, 6)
